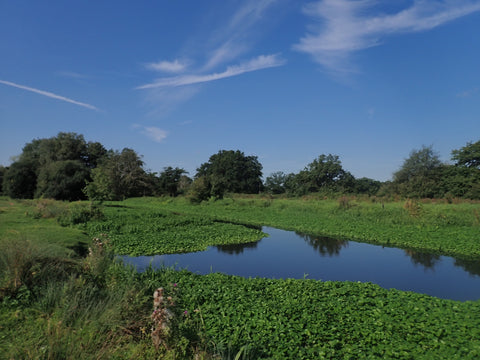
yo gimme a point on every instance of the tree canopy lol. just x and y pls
(277, 183)
(231, 171)
(56, 167)
(59, 167)
(169, 181)
(418, 175)
(66, 167)
(20, 180)
(468, 156)
(62, 179)
(324, 173)
(423, 175)
(419, 164)
(119, 175)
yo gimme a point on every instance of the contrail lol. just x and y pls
(50, 95)
(258, 63)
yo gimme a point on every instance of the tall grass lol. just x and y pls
(46, 300)
(61, 308)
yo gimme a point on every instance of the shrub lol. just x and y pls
(80, 213)
(48, 208)
(199, 190)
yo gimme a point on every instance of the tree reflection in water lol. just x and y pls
(236, 249)
(470, 266)
(323, 245)
(428, 261)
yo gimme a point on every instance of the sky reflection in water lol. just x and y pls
(286, 254)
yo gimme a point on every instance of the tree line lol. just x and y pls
(66, 167)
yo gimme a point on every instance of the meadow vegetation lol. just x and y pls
(63, 295)
(435, 226)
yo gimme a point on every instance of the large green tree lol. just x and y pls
(169, 181)
(419, 164)
(325, 173)
(281, 183)
(20, 180)
(118, 176)
(463, 179)
(419, 174)
(62, 180)
(58, 167)
(468, 156)
(424, 175)
(64, 146)
(459, 181)
(276, 183)
(95, 152)
(231, 171)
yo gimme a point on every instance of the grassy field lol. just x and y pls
(61, 299)
(35, 221)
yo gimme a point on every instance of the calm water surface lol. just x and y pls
(286, 254)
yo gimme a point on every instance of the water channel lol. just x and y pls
(286, 254)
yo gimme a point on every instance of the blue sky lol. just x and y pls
(285, 80)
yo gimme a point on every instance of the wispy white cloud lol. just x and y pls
(163, 101)
(49, 94)
(175, 66)
(152, 132)
(343, 27)
(215, 55)
(258, 63)
(249, 13)
(237, 36)
(224, 53)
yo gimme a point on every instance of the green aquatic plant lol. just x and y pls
(305, 319)
(147, 232)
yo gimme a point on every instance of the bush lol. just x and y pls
(80, 213)
(199, 190)
(48, 208)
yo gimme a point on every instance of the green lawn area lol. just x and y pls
(27, 220)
